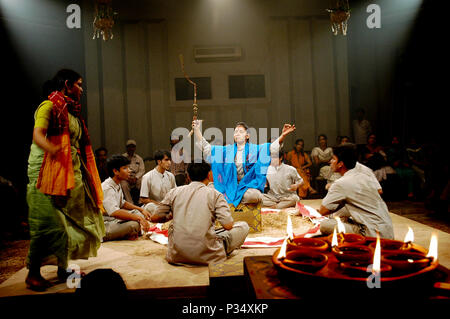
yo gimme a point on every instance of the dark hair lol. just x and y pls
(116, 162)
(281, 153)
(322, 135)
(299, 140)
(159, 155)
(59, 80)
(102, 283)
(347, 154)
(370, 134)
(101, 148)
(198, 171)
(243, 124)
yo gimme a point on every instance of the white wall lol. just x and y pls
(130, 79)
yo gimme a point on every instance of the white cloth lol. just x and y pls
(357, 191)
(156, 185)
(323, 155)
(112, 196)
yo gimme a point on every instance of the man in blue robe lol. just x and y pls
(239, 170)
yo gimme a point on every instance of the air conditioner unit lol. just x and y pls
(217, 54)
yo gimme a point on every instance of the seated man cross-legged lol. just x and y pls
(124, 220)
(157, 183)
(194, 209)
(355, 198)
(283, 181)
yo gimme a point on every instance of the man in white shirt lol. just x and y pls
(194, 209)
(355, 198)
(137, 170)
(124, 220)
(283, 181)
(157, 183)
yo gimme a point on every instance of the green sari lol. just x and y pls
(60, 232)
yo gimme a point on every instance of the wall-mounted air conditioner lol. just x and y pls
(216, 54)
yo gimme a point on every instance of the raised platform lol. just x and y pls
(142, 265)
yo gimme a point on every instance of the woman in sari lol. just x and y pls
(64, 193)
(301, 161)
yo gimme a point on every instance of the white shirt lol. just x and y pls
(192, 238)
(280, 179)
(156, 185)
(323, 155)
(357, 190)
(112, 196)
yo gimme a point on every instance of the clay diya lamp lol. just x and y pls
(352, 252)
(389, 245)
(348, 239)
(307, 243)
(360, 268)
(406, 261)
(305, 260)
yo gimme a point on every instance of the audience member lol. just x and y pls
(344, 139)
(361, 129)
(124, 219)
(137, 170)
(101, 154)
(355, 198)
(195, 209)
(301, 161)
(103, 284)
(283, 181)
(397, 158)
(321, 156)
(158, 182)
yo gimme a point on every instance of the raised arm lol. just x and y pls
(200, 142)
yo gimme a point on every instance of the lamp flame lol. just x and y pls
(282, 253)
(334, 241)
(433, 249)
(289, 228)
(377, 256)
(409, 238)
(340, 225)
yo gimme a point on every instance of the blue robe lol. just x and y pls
(256, 160)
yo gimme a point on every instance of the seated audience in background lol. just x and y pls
(177, 166)
(419, 163)
(371, 148)
(101, 154)
(361, 129)
(321, 156)
(124, 220)
(301, 161)
(355, 198)
(344, 139)
(158, 182)
(137, 170)
(397, 158)
(283, 181)
(194, 209)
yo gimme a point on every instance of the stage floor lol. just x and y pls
(142, 264)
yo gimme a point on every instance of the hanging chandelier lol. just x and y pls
(103, 19)
(339, 16)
